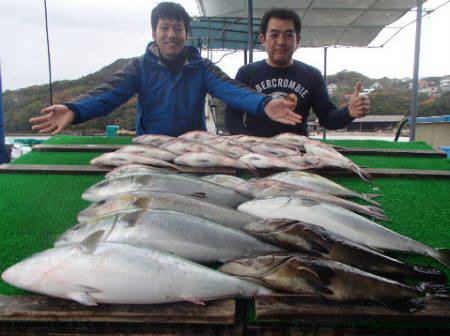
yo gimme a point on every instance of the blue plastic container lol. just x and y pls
(111, 130)
(446, 149)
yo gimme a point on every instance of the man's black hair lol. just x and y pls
(282, 14)
(170, 10)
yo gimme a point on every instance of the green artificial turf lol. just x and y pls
(34, 210)
(57, 158)
(379, 144)
(401, 162)
(88, 140)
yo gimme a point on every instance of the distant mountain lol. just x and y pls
(391, 97)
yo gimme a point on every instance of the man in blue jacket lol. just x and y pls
(280, 75)
(171, 81)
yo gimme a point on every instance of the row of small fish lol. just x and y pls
(201, 149)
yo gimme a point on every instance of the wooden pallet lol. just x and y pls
(86, 169)
(436, 310)
(43, 308)
(348, 151)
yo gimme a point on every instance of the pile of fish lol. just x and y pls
(199, 149)
(151, 234)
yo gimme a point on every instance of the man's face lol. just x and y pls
(280, 42)
(170, 36)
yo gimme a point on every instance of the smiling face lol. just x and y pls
(280, 42)
(170, 36)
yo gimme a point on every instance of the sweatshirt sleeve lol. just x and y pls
(106, 97)
(232, 92)
(328, 114)
(234, 118)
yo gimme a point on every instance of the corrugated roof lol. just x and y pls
(324, 23)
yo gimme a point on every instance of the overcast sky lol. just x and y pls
(86, 35)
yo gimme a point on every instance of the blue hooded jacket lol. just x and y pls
(167, 105)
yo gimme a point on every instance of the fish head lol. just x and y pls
(41, 272)
(254, 266)
(106, 188)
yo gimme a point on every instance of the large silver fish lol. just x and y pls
(229, 181)
(120, 158)
(319, 242)
(154, 140)
(260, 188)
(190, 237)
(182, 146)
(94, 272)
(178, 184)
(323, 150)
(200, 136)
(148, 151)
(135, 169)
(319, 277)
(205, 159)
(267, 162)
(228, 147)
(148, 199)
(342, 222)
(319, 183)
(279, 151)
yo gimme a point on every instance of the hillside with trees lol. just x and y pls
(392, 97)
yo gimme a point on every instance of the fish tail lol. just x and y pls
(368, 198)
(253, 169)
(380, 216)
(362, 173)
(434, 289)
(443, 256)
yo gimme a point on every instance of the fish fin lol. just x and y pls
(82, 297)
(198, 194)
(443, 256)
(434, 288)
(362, 173)
(321, 288)
(193, 300)
(368, 198)
(405, 305)
(430, 274)
(89, 244)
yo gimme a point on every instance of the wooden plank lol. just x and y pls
(85, 169)
(76, 148)
(283, 330)
(44, 308)
(134, 329)
(393, 152)
(310, 309)
(352, 151)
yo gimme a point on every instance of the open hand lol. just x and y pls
(55, 118)
(358, 105)
(281, 110)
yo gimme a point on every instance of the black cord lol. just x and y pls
(48, 55)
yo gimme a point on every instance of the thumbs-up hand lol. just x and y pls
(358, 105)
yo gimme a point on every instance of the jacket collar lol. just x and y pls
(152, 55)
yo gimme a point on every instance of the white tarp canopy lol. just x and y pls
(324, 22)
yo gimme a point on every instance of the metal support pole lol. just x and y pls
(48, 55)
(415, 86)
(250, 30)
(245, 57)
(325, 49)
(3, 155)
